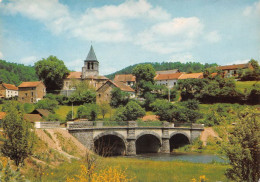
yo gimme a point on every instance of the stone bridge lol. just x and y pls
(131, 139)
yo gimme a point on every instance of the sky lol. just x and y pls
(128, 32)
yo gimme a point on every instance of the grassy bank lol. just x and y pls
(242, 85)
(145, 170)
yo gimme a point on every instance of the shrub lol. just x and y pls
(131, 111)
(48, 104)
(88, 111)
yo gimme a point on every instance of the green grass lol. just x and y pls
(62, 111)
(145, 170)
(242, 85)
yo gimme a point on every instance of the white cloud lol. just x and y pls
(104, 24)
(172, 36)
(252, 10)
(30, 60)
(75, 65)
(183, 58)
(1, 55)
(213, 37)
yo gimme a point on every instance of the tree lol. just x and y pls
(243, 148)
(144, 74)
(48, 104)
(118, 97)
(83, 94)
(130, 112)
(88, 111)
(104, 108)
(52, 71)
(19, 139)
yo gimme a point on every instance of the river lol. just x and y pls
(190, 157)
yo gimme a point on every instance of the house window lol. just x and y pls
(235, 72)
(99, 95)
(174, 83)
(26, 94)
(31, 99)
(32, 93)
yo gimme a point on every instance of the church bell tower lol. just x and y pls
(91, 65)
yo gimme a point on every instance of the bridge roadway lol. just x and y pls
(131, 139)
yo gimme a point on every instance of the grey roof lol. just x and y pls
(91, 55)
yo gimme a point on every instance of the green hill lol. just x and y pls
(190, 67)
(14, 73)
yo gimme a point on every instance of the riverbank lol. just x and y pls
(144, 170)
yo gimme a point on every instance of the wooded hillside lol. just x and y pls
(189, 67)
(14, 73)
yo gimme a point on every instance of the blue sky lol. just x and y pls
(129, 32)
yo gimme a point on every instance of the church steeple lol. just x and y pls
(91, 65)
(91, 55)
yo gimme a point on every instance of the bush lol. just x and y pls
(130, 112)
(61, 99)
(28, 108)
(48, 104)
(88, 111)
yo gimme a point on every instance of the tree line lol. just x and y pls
(14, 73)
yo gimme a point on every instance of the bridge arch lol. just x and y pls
(178, 139)
(148, 142)
(110, 143)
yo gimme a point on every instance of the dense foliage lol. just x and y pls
(243, 148)
(83, 94)
(19, 138)
(187, 111)
(118, 97)
(14, 73)
(52, 71)
(250, 75)
(144, 74)
(88, 111)
(130, 112)
(211, 90)
(48, 104)
(183, 67)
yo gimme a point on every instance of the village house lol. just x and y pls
(127, 79)
(8, 90)
(104, 92)
(232, 70)
(191, 76)
(89, 74)
(169, 80)
(31, 92)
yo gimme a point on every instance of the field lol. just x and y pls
(145, 170)
(242, 85)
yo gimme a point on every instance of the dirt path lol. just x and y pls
(206, 133)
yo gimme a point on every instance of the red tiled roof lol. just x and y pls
(173, 76)
(235, 66)
(32, 117)
(100, 77)
(10, 86)
(78, 75)
(74, 75)
(43, 112)
(2, 115)
(123, 87)
(124, 78)
(191, 75)
(168, 71)
(30, 84)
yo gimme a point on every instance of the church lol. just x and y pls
(89, 74)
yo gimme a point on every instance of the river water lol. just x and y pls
(190, 157)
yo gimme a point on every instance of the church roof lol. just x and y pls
(91, 55)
